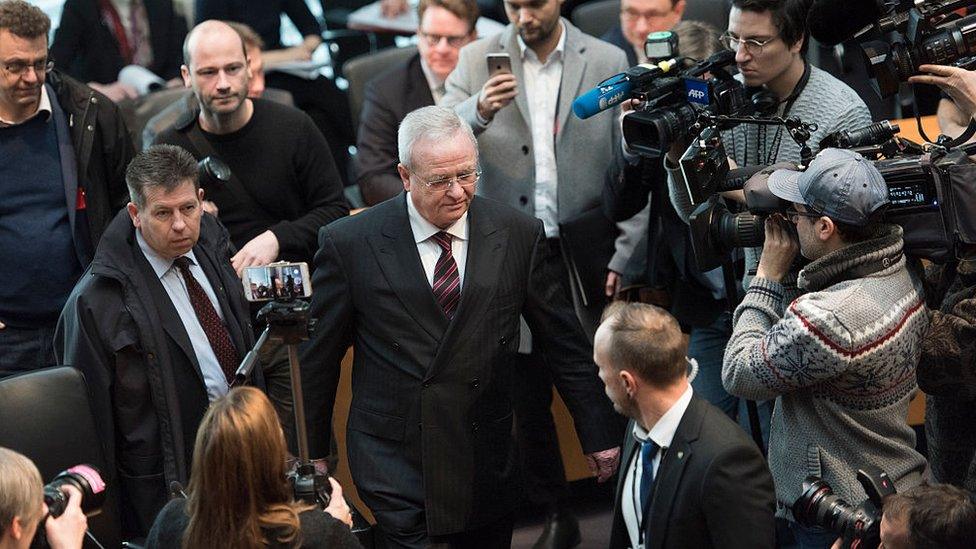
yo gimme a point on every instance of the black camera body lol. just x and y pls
(932, 194)
(928, 33)
(672, 105)
(860, 525)
(87, 479)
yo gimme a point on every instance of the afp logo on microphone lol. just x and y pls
(697, 91)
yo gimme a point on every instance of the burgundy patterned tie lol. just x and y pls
(216, 332)
(447, 283)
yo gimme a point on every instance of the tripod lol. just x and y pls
(287, 320)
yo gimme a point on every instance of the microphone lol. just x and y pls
(834, 21)
(616, 89)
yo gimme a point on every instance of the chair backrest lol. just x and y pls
(47, 416)
(596, 18)
(713, 12)
(359, 70)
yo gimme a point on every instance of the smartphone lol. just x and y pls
(277, 281)
(498, 63)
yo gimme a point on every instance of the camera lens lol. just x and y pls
(741, 230)
(86, 479)
(818, 506)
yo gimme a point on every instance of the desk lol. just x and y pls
(369, 18)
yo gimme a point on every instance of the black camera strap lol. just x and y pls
(773, 152)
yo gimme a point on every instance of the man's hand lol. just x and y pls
(210, 208)
(116, 91)
(604, 464)
(338, 507)
(613, 283)
(261, 250)
(959, 83)
(393, 8)
(497, 92)
(2, 325)
(779, 249)
(68, 530)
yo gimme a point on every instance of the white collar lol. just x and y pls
(662, 433)
(43, 106)
(560, 46)
(423, 229)
(160, 264)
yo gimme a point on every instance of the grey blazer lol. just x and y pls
(587, 151)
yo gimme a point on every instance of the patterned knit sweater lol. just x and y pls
(840, 361)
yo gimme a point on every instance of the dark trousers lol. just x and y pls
(26, 349)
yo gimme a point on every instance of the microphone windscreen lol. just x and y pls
(833, 21)
(608, 94)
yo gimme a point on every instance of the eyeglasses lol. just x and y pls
(453, 41)
(753, 46)
(443, 184)
(634, 15)
(19, 67)
(794, 216)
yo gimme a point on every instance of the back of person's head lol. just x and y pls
(23, 19)
(646, 341)
(238, 494)
(252, 40)
(697, 39)
(937, 516)
(465, 10)
(789, 16)
(20, 490)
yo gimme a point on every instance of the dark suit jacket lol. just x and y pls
(712, 489)
(86, 49)
(390, 96)
(616, 37)
(431, 415)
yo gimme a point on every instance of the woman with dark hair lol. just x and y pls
(238, 495)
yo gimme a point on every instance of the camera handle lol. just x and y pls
(798, 130)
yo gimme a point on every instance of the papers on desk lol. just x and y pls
(369, 17)
(318, 65)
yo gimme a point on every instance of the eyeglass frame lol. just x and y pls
(794, 215)
(453, 40)
(632, 15)
(45, 66)
(431, 185)
(726, 39)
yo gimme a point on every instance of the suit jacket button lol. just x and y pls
(525, 149)
(396, 345)
(474, 425)
(475, 383)
(426, 384)
(151, 356)
(503, 341)
(523, 200)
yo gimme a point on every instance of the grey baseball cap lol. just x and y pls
(838, 183)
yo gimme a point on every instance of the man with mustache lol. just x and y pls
(63, 152)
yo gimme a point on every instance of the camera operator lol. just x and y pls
(22, 507)
(770, 40)
(929, 517)
(840, 359)
(239, 494)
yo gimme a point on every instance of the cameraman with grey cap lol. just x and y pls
(840, 359)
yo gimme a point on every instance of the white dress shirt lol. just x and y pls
(429, 250)
(179, 294)
(662, 433)
(542, 91)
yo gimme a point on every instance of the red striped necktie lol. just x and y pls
(447, 282)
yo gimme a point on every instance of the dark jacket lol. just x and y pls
(616, 37)
(102, 149)
(319, 530)
(121, 330)
(712, 488)
(86, 48)
(390, 96)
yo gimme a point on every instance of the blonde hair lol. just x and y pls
(20, 489)
(238, 494)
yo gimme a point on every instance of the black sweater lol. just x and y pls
(283, 162)
(320, 530)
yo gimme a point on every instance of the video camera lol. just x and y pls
(860, 526)
(932, 193)
(88, 480)
(927, 33)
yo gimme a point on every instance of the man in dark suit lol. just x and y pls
(429, 287)
(689, 476)
(445, 27)
(157, 324)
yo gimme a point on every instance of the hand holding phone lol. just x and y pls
(500, 88)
